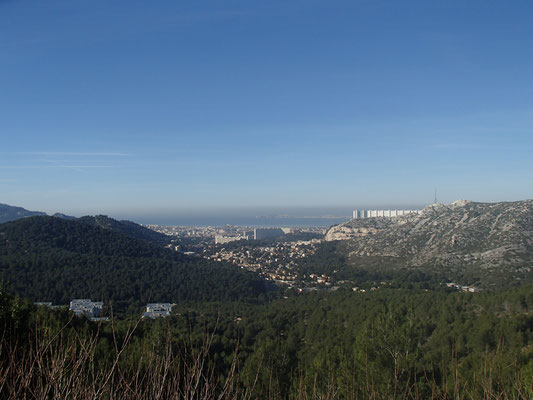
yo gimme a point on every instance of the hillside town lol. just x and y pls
(273, 253)
(276, 262)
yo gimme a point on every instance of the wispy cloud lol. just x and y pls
(80, 161)
(467, 146)
(76, 154)
(54, 166)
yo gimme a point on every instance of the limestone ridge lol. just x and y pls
(458, 235)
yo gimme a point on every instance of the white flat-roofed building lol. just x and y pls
(156, 310)
(90, 309)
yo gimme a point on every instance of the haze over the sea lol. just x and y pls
(252, 216)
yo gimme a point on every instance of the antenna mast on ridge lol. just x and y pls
(435, 196)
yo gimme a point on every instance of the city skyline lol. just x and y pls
(132, 109)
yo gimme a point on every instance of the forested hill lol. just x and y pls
(127, 228)
(11, 213)
(52, 259)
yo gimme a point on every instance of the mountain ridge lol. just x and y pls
(127, 228)
(12, 213)
(465, 236)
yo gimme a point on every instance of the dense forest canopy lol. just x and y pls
(391, 343)
(127, 228)
(52, 259)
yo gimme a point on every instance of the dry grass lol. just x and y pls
(65, 366)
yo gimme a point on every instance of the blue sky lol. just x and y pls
(136, 107)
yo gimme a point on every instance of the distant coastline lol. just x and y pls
(250, 221)
(287, 216)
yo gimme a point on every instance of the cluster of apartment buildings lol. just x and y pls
(361, 214)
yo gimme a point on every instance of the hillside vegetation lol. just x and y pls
(127, 228)
(52, 259)
(387, 344)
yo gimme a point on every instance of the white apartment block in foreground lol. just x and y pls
(156, 310)
(91, 309)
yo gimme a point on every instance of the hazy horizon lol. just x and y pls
(243, 216)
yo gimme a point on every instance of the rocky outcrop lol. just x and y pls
(343, 232)
(458, 235)
(357, 228)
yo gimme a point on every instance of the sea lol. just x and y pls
(249, 221)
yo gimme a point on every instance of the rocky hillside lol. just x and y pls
(460, 236)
